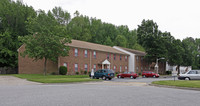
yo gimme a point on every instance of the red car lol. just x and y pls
(149, 74)
(127, 74)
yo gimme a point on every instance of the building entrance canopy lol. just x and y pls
(105, 64)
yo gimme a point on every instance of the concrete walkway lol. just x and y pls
(11, 80)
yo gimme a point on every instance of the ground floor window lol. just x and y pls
(94, 67)
(114, 68)
(65, 64)
(126, 68)
(76, 67)
(86, 67)
(120, 69)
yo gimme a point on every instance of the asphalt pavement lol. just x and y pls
(117, 92)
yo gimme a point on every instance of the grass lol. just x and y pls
(180, 83)
(55, 78)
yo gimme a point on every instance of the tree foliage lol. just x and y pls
(12, 24)
(47, 38)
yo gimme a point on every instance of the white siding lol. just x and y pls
(131, 59)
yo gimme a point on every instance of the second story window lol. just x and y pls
(94, 54)
(86, 53)
(76, 52)
(120, 57)
(108, 56)
(114, 56)
(126, 57)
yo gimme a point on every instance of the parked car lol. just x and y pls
(127, 74)
(149, 74)
(104, 74)
(190, 75)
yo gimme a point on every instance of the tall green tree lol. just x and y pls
(12, 24)
(63, 17)
(151, 39)
(47, 39)
(120, 41)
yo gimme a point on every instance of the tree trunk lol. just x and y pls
(178, 69)
(45, 65)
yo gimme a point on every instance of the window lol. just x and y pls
(120, 57)
(120, 69)
(94, 54)
(86, 54)
(192, 72)
(114, 56)
(114, 68)
(137, 58)
(76, 67)
(65, 64)
(141, 69)
(126, 57)
(86, 67)
(126, 69)
(137, 69)
(108, 56)
(94, 67)
(76, 52)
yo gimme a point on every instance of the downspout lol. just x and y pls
(90, 60)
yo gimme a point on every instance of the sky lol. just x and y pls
(179, 17)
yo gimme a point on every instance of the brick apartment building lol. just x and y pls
(138, 64)
(83, 56)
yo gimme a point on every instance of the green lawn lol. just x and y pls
(55, 78)
(180, 83)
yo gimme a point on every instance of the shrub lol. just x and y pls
(116, 72)
(63, 70)
(77, 73)
(85, 72)
(168, 72)
(53, 73)
(139, 74)
(89, 72)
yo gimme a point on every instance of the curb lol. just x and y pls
(165, 86)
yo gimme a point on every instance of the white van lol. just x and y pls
(190, 75)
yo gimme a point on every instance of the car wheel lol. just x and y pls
(154, 76)
(104, 77)
(131, 77)
(143, 76)
(119, 76)
(187, 78)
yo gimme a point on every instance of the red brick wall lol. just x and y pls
(145, 66)
(81, 60)
(28, 66)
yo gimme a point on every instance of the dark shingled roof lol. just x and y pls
(93, 46)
